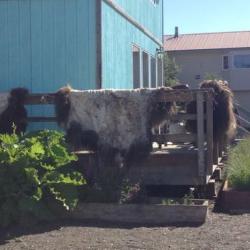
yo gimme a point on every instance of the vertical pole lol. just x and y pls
(215, 152)
(149, 71)
(141, 68)
(209, 123)
(156, 71)
(200, 133)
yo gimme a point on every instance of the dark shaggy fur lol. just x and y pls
(62, 105)
(15, 113)
(76, 138)
(224, 122)
(85, 138)
(161, 110)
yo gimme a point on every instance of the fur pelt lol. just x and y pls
(116, 123)
(12, 111)
(224, 121)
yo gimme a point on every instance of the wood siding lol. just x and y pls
(119, 36)
(47, 43)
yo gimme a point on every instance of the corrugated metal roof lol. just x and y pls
(221, 40)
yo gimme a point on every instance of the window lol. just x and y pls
(225, 62)
(145, 69)
(242, 61)
(136, 67)
(153, 72)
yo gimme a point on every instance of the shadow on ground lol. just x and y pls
(13, 232)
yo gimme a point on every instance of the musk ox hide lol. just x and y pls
(12, 111)
(224, 121)
(116, 123)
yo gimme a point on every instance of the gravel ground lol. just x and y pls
(221, 231)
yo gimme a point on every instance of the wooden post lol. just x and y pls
(215, 152)
(200, 133)
(209, 124)
(221, 148)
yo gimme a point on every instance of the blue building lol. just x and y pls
(45, 44)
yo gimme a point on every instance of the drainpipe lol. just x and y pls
(163, 80)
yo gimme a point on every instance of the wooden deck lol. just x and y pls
(180, 163)
(172, 165)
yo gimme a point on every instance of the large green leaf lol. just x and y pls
(55, 177)
(34, 207)
(66, 194)
(33, 168)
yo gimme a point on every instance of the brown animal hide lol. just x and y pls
(13, 111)
(115, 123)
(224, 121)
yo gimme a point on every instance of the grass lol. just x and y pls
(238, 172)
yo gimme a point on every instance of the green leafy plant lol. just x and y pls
(36, 172)
(112, 186)
(238, 171)
(132, 193)
(171, 70)
(211, 76)
(107, 187)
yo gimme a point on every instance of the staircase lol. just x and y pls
(243, 121)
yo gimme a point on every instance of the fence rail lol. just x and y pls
(207, 152)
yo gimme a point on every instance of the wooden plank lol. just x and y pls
(41, 119)
(34, 99)
(13, 43)
(180, 95)
(175, 138)
(169, 158)
(215, 153)
(4, 44)
(167, 175)
(98, 44)
(209, 133)
(200, 134)
(133, 21)
(176, 167)
(141, 214)
(25, 44)
(182, 117)
(173, 95)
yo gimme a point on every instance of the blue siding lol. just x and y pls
(146, 13)
(119, 35)
(47, 43)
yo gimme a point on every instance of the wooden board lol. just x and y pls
(169, 166)
(143, 214)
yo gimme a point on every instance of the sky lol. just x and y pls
(198, 16)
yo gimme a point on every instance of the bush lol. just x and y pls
(171, 70)
(238, 171)
(35, 171)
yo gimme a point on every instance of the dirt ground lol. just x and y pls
(221, 231)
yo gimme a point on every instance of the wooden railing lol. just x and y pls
(207, 152)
